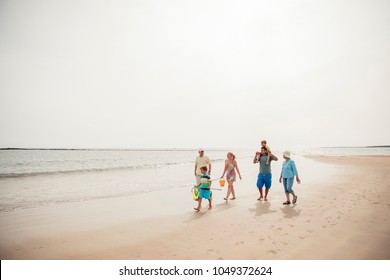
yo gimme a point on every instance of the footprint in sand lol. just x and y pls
(309, 231)
(273, 252)
(301, 237)
(307, 221)
(279, 228)
(323, 226)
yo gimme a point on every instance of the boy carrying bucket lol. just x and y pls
(204, 185)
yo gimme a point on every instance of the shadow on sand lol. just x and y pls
(262, 208)
(223, 206)
(289, 211)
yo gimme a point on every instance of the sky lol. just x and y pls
(198, 73)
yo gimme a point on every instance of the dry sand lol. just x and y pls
(339, 215)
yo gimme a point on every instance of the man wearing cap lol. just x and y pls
(265, 177)
(201, 161)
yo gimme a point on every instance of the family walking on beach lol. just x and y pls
(264, 178)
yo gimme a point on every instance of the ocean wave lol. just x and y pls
(91, 170)
(83, 170)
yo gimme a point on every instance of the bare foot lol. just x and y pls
(265, 199)
(225, 198)
(196, 209)
(232, 198)
(210, 207)
(260, 198)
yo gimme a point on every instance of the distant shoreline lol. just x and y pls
(164, 149)
(110, 149)
(98, 149)
(356, 147)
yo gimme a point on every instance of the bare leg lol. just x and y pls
(268, 157)
(228, 191)
(294, 197)
(288, 199)
(227, 194)
(261, 194)
(233, 193)
(266, 193)
(199, 205)
(210, 203)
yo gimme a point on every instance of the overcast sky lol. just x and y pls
(183, 74)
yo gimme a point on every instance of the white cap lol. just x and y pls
(287, 154)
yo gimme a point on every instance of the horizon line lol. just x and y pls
(165, 149)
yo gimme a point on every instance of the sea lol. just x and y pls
(40, 177)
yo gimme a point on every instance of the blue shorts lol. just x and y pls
(264, 180)
(207, 194)
(288, 184)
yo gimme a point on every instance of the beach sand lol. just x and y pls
(342, 213)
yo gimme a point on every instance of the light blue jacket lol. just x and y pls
(289, 170)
